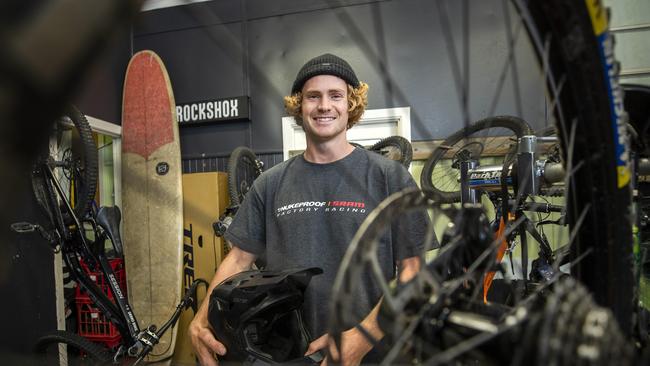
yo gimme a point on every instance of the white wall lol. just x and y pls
(630, 23)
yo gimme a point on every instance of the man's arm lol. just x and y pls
(354, 344)
(203, 341)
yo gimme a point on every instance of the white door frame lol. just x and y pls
(115, 132)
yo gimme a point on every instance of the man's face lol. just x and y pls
(324, 107)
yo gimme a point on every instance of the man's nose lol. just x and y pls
(324, 104)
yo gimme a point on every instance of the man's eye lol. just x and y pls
(337, 96)
(312, 96)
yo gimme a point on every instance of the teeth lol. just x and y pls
(324, 119)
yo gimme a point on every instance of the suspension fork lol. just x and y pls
(467, 194)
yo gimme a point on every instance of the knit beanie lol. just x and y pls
(326, 64)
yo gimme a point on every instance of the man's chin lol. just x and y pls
(320, 137)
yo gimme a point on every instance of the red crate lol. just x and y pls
(117, 264)
(91, 322)
(93, 325)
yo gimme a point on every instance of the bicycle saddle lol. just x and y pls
(109, 220)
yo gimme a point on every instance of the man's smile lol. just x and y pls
(324, 119)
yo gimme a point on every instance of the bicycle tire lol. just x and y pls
(84, 168)
(399, 149)
(243, 169)
(590, 101)
(80, 351)
(516, 125)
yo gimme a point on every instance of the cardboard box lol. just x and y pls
(205, 198)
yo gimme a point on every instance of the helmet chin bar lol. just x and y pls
(257, 315)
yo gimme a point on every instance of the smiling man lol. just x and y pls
(304, 211)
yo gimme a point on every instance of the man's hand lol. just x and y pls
(204, 343)
(354, 347)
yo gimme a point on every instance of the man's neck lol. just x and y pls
(328, 151)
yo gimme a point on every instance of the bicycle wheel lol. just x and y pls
(589, 109)
(74, 164)
(395, 148)
(493, 136)
(61, 347)
(575, 55)
(243, 169)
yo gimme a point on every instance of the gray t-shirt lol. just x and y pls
(300, 214)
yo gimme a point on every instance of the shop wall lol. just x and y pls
(630, 24)
(230, 48)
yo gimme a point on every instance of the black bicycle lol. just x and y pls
(64, 184)
(243, 168)
(439, 316)
(525, 175)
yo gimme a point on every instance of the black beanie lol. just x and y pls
(326, 64)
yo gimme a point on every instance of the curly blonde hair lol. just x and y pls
(357, 103)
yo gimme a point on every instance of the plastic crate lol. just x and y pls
(117, 264)
(91, 322)
(93, 325)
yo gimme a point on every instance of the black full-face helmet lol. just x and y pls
(257, 315)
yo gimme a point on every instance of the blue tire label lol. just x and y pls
(617, 110)
(598, 15)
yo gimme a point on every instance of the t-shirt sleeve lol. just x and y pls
(408, 231)
(248, 228)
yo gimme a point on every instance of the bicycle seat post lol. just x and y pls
(527, 177)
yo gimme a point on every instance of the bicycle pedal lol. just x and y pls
(23, 227)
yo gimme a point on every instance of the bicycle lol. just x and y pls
(604, 236)
(243, 168)
(464, 180)
(64, 185)
(437, 317)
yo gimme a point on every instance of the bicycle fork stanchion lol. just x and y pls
(527, 184)
(527, 177)
(467, 193)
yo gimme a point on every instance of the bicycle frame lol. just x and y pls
(530, 176)
(529, 172)
(74, 245)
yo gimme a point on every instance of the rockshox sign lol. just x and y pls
(226, 109)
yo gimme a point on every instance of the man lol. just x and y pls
(304, 212)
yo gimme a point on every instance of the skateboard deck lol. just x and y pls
(151, 196)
